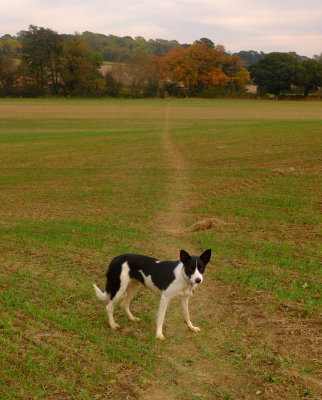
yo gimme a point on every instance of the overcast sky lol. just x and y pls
(266, 25)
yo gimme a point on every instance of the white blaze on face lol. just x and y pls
(196, 277)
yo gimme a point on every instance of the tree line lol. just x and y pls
(41, 62)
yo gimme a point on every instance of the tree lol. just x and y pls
(207, 42)
(160, 47)
(275, 72)
(153, 69)
(250, 57)
(309, 76)
(123, 49)
(10, 50)
(318, 57)
(8, 76)
(142, 77)
(233, 67)
(79, 69)
(200, 67)
(193, 68)
(42, 53)
(179, 68)
(10, 47)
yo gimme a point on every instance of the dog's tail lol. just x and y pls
(100, 295)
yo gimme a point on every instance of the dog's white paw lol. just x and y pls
(160, 336)
(195, 329)
(115, 327)
(131, 318)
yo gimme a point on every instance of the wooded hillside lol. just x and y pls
(41, 62)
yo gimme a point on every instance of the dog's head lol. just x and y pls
(194, 266)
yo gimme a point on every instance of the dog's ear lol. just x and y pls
(205, 256)
(184, 256)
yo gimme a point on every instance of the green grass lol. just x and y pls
(73, 193)
(261, 178)
(84, 180)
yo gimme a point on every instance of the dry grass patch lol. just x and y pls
(207, 223)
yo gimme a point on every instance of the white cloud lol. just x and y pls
(266, 25)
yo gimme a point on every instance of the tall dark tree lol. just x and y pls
(42, 50)
(275, 72)
(309, 76)
(79, 69)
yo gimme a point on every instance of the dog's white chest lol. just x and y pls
(183, 291)
(188, 292)
(179, 287)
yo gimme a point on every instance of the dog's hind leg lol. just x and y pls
(131, 291)
(124, 281)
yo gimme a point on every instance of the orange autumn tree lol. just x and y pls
(233, 67)
(200, 67)
(179, 68)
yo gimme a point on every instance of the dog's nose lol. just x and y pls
(198, 280)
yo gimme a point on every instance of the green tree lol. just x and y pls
(123, 49)
(207, 42)
(10, 47)
(79, 69)
(42, 49)
(160, 47)
(275, 72)
(250, 57)
(318, 57)
(309, 76)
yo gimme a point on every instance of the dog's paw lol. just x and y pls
(160, 336)
(195, 329)
(115, 327)
(136, 319)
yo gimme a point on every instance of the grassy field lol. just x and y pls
(84, 180)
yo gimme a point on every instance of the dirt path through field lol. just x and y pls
(170, 222)
(250, 347)
(171, 237)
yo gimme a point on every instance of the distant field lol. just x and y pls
(84, 180)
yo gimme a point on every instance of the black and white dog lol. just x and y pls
(126, 273)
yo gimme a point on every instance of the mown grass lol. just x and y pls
(261, 178)
(74, 192)
(84, 180)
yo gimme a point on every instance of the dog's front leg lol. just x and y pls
(164, 301)
(185, 307)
